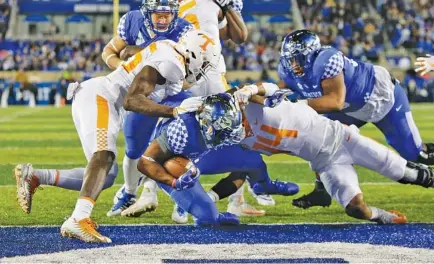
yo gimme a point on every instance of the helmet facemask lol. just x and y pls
(164, 8)
(220, 121)
(296, 50)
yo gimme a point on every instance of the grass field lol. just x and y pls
(46, 138)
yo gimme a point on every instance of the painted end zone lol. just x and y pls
(173, 244)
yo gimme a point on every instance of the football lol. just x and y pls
(177, 166)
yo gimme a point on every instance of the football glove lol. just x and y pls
(278, 96)
(426, 64)
(186, 180)
(244, 94)
(223, 3)
(191, 104)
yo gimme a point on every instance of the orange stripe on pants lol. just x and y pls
(102, 121)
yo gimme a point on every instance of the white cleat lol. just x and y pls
(263, 199)
(84, 230)
(244, 209)
(147, 202)
(179, 216)
(27, 184)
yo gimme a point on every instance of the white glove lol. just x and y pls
(244, 94)
(426, 64)
(191, 104)
(222, 3)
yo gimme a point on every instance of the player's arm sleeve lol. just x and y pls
(124, 29)
(237, 5)
(334, 66)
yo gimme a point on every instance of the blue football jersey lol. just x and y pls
(133, 31)
(327, 63)
(182, 136)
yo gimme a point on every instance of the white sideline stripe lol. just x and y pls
(251, 224)
(21, 113)
(210, 184)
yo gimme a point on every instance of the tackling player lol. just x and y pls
(351, 92)
(156, 20)
(139, 85)
(331, 148)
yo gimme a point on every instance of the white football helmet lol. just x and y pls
(201, 53)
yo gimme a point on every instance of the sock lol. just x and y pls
(83, 208)
(149, 186)
(131, 174)
(238, 196)
(47, 177)
(374, 211)
(224, 188)
(213, 195)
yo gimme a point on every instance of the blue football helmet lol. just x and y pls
(297, 48)
(220, 120)
(149, 7)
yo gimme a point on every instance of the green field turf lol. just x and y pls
(46, 138)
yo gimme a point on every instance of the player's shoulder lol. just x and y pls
(328, 62)
(183, 135)
(170, 64)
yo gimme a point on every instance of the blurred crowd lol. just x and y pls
(78, 54)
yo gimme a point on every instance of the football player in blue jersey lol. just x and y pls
(156, 20)
(203, 136)
(355, 93)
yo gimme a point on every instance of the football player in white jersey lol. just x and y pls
(331, 148)
(139, 85)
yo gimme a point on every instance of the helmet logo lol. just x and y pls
(208, 41)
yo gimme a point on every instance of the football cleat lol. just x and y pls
(318, 197)
(124, 201)
(84, 230)
(239, 207)
(275, 187)
(27, 184)
(179, 215)
(400, 217)
(262, 199)
(147, 202)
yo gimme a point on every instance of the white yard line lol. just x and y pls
(25, 112)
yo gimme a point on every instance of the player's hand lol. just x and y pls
(277, 97)
(244, 94)
(191, 104)
(426, 64)
(186, 180)
(223, 3)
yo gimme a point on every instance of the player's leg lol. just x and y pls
(98, 129)
(342, 184)
(401, 132)
(196, 202)
(148, 201)
(319, 196)
(375, 156)
(138, 130)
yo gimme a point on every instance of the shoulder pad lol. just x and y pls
(129, 26)
(329, 62)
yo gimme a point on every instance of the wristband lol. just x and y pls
(270, 89)
(108, 57)
(223, 23)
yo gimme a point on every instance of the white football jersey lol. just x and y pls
(160, 55)
(291, 128)
(203, 14)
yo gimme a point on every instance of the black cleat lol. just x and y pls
(427, 157)
(318, 197)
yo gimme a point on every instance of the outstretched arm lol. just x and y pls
(143, 85)
(232, 25)
(424, 64)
